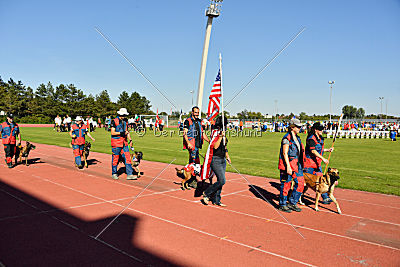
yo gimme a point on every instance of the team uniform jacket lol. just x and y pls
(313, 143)
(295, 156)
(191, 133)
(9, 132)
(121, 127)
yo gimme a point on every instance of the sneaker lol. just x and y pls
(327, 200)
(205, 199)
(219, 204)
(9, 165)
(294, 207)
(131, 177)
(80, 167)
(114, 176)
(285, 209)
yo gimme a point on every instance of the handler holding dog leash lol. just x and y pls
(120, 137)
(291, 162)
(77, 133)
(314, 151)
(9, 133)
(193, 136)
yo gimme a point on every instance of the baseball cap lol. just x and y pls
(10, 115)
(296, 122)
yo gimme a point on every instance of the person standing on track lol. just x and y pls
(291, 162)
(314, 151)
(193, 135)
(215, 162)
(120, 138)
(9, 134)
(78, 132)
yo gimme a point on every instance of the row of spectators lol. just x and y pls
(63, 124)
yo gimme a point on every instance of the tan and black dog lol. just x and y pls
(23, 152)
(323, 184)
(189, 171)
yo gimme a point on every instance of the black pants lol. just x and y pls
(9, 151)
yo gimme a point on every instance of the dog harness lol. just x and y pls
(9, 131)
(193, 168)
(80, 133)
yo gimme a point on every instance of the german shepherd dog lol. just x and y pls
(323, 184)
(23, 151)
(86, 150)
(187, 173)
(136, 157)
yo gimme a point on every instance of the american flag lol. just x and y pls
(206, 171)
(215, 98)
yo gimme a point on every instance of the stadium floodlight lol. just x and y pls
(330, 102)
(212, 11)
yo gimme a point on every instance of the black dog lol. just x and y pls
(23, 151)
(86, 150)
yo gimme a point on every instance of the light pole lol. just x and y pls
(381, 99)
(212, 11)
(192, 92)
(330, 102)
(386, 110)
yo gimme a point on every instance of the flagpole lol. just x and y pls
(222, 97)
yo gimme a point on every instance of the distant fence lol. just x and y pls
(358, 134)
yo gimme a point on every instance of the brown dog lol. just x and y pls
(189, 171)
(323, 184)
(23, 151)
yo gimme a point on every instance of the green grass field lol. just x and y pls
(364, 164)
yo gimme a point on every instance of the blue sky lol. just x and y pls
(354, 42)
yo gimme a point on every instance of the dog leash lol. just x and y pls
(333, 143)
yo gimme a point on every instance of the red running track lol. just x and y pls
(51, 213)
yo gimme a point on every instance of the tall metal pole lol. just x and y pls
(386, 110)
(330, 102)
(192, 92)
(212, 11)
(381, 98)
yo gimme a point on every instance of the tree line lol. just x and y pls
(47, 101)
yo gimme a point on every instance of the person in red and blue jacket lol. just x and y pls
(314, 151)
(193, 135)
(120, 137)
(291, 162)
(78, 132)
(9, 134)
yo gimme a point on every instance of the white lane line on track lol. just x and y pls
(171, 222)
(77, 229)
(367, 203)
(343, 214)
(197, 201)
(75, 207)
(255, 216)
